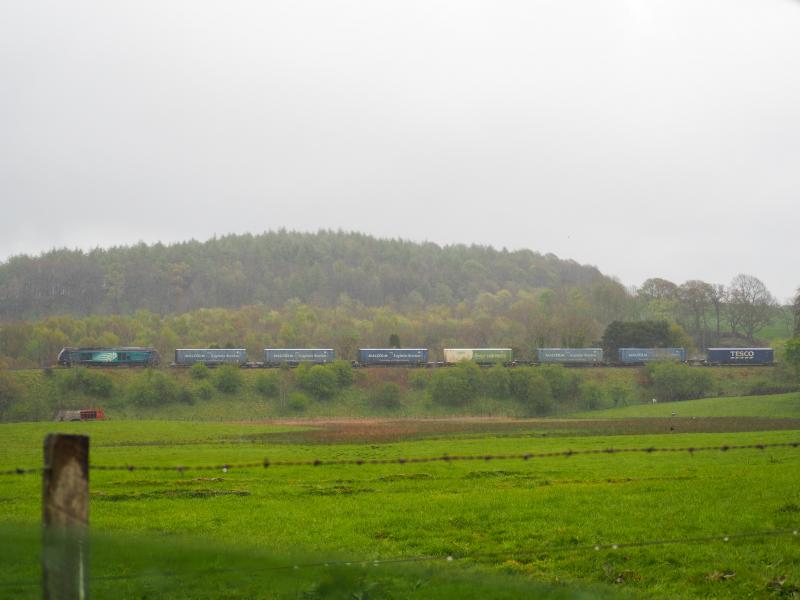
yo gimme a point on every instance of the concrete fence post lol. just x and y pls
(65, 517)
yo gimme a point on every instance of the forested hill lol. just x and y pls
(271, 268)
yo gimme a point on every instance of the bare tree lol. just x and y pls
(796, 310)
(717, 297)
(750, 305)
(695, 297)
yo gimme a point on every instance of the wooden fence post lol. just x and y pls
(65, 516)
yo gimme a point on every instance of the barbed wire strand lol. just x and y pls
(504, 556)
(267, 463)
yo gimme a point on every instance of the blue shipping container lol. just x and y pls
(741, 356)
(392, 356)
(570, 355)
(278, 356)
(210, 356)
(643, 355)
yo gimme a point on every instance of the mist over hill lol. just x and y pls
(320, 269)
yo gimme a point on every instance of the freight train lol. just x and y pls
(407, 357)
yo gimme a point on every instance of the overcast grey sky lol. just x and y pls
(647, 137)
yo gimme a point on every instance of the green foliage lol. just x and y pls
(10, 391)
(85, 381)
(320, 381)
(620, 393)
(564, 383)
(297, 402)
(455, 386)
(791, 352)
(394, 341)
(228, 379)
(765, 386)
(671, 381)
(497, 382)
(531, 389)
(591, 395)
(199, 371)
(205, 391)
(268, 384)
(539, 396)
(269, 269)
(518, 382)
(344, 373)
(642, 334)
(185, 395)
(153, 388)
(418, 380)
(386, 396)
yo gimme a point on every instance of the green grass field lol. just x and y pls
(777, 405)
(514, 528)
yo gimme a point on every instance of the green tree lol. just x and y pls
(497, 382)
(386, 396)
(319, 381)
(591, 395)
(199, 371)
(564, 383)
(153, 388)
(343, 371)
(268, 384)
(453, 386)
(228, 379)
(640, 334)
(394, 341)
(791, 354)
(10, 391)
(671, 381)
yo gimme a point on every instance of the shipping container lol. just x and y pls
(392, 356)
(642, 355)
(109, 357)
(740, 356)
(295, 356)
(483, 356)
(588, 356)
(211, 356)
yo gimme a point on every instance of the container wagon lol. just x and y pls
(635, 356)
(740, 356)
(392, 356)
(569, 356)
(482, 356)
(211, 357)
(109, 357)
(275, 357)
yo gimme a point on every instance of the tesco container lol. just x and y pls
(643, 355)
(294, 356)
(585, 356)
(741, 356)
(483, 356)
(392, 356)
(211, 356)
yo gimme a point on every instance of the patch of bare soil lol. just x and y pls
(382, 430)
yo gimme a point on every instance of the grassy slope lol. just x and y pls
(42, 399)
(511, 508)
(778, 405)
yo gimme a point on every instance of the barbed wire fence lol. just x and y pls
(55, 463)
(267, 463)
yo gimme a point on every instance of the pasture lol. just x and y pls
(775, 405)
(512, 527)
